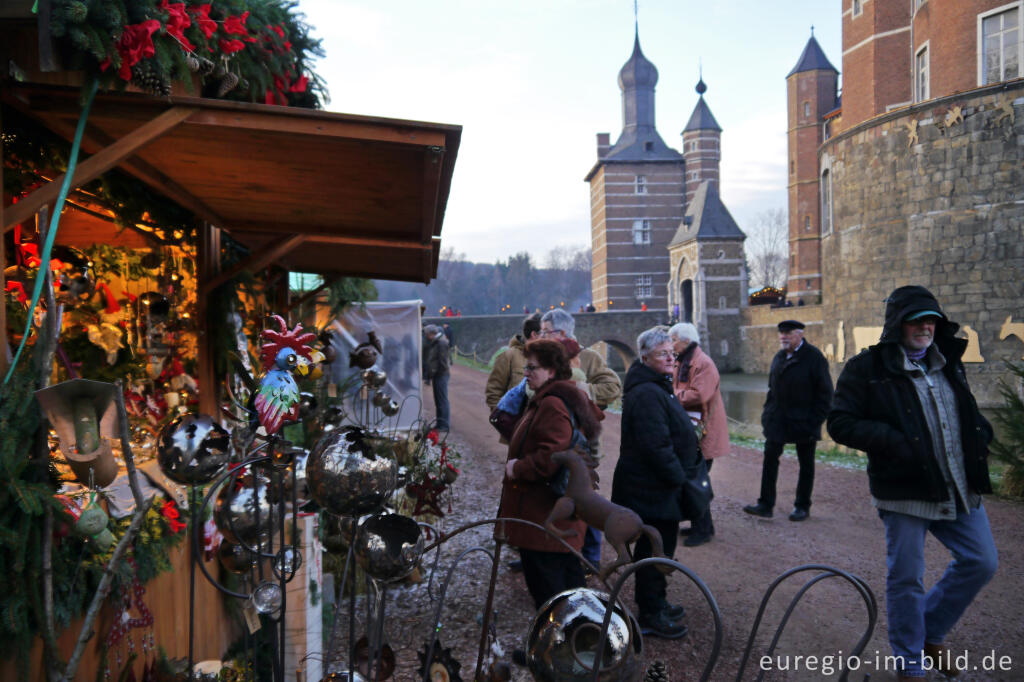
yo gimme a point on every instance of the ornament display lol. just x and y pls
(388, 546)
(267, 598)
(344, 475)
(246, 514)
(566, 631)
(380, 399)
(193, 449)
(362, 656)
(287, 562)
(390, 409)
(277, 397)
(307, 404)
(442, 665)
(375, 378)
(364, 356)
(154, 306)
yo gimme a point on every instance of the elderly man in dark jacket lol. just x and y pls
(799, 395)
(906, 403)
(657, 452)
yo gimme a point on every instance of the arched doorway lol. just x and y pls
(686, 294)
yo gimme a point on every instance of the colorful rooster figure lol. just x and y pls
(277, 397)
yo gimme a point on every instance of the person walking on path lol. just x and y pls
(697, 386)
(906, 403)
(604, 388)
(799, 396)
(658, 451)
(436, 374)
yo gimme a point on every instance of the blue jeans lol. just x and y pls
(592, 546)
(441, 407)
(916, 616)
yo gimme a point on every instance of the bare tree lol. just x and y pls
(766, 247)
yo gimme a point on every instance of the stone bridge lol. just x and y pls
(487, 334)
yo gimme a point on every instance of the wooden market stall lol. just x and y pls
(306, 190)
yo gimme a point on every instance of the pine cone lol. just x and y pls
(227, 83)
(656, 672)
(205, 66)
(147, 79)
(192, 62)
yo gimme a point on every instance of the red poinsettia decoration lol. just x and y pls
(169, 510)
(177, 21)
(201, 14)
(134, 45)
(230, 46)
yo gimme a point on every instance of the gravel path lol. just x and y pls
(746, 555)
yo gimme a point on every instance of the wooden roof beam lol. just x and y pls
(97, 164)
(273, 251)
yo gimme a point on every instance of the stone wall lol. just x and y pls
(759, 334)
(932, 195)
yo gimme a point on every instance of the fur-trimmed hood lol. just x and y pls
(588, 416)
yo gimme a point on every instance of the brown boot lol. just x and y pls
(941, 659)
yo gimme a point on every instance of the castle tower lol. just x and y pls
(702, 148)
(636, 199)
(811, 95)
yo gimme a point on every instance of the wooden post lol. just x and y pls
(209, 268)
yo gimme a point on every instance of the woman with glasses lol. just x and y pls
(658, 452)
(544, 429)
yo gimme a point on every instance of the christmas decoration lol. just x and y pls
(277, 398)
(442, 665)
(656, 672)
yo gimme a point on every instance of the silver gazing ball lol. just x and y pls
(236, 511)
(235, 558)
(345, 477)
(380, 399)
(287, 562)
(375, 378)
(571, 621)
(388, 546)
(193, 449)
(390, 409)
(267, 597)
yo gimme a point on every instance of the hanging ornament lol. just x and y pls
(364, 356)
(442, 666)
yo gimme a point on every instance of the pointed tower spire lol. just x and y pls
(701, 144)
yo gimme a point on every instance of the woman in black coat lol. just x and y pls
(658, 453)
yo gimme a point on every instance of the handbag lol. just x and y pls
(504, 422)
(696, 493)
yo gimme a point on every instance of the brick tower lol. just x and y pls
(811, 95)
(702, 146)
(636, 199)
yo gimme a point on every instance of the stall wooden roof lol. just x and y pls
(313, 191)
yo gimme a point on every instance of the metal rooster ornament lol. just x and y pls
(277, 397)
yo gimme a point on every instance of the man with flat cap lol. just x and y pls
(906, 403)
(799, 396)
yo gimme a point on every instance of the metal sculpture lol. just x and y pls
(286, 351)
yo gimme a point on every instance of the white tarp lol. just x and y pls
(397, 325)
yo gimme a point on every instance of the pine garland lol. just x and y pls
(264, 46)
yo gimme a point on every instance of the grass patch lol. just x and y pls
(836, 456)
(469, 361)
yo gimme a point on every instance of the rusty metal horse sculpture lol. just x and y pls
(621, 526)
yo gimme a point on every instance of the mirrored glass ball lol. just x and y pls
(267, 597)
(345, 477)
(388, 546)
(287, 562)
(235, 558)
(562, 642)
(246, 514)
(193, 449)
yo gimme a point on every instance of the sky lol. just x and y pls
(532, 82)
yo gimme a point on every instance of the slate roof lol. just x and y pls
(701, 118)
(812, 59)
(707, 218)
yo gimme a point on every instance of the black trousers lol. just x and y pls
(650, 582)
(703, 525)
(770, 473)
(548, 573)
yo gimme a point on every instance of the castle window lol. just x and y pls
(641, 184)
(1000, 48)
(722, 303)
(648, 146)
(857, 8)
(807, 109)
(792, 166)
(725, 347)
(642, 287)
(921, 74)
(641, 231)
(826, 203)
(807, 223)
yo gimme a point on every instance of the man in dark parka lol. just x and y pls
(799, 396)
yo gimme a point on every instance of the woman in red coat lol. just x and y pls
(697, 385)
(544, 429)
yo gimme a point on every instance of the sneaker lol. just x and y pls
(686, 531)
(697, 539)
(799, 514)
(673, 611)
(762, 510)
(660, 625)
(515, 566)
